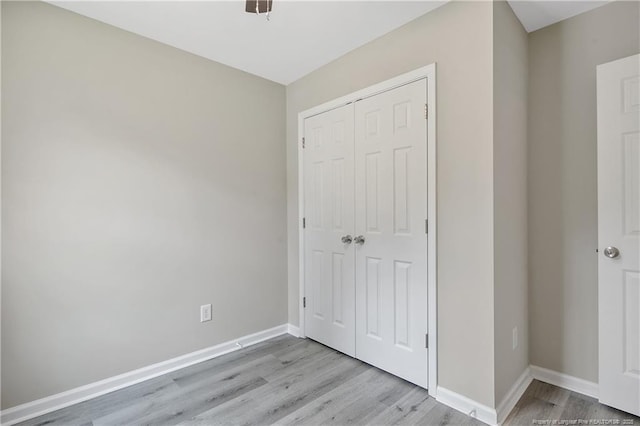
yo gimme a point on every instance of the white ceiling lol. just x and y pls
(539, 13)
(301, 35)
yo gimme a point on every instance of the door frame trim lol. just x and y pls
(428, 72)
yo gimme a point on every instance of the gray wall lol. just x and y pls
(510, 196)
(562, 182)
(458, 36)
(133, 192)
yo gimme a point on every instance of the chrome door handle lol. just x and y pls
(359, 240)
(346, 239)
(611, 252)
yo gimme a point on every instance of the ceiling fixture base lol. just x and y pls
(258, 6)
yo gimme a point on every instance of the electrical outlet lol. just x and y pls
(205, 313)
(515, 338)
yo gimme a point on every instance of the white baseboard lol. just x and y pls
(562, 380)
(51, 403)
(467, 406)
(513, 396)
(293, 330)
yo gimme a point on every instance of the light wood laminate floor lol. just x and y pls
(290, 381)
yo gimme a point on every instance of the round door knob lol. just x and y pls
(611, 252)
(346, 239)
(359, 240)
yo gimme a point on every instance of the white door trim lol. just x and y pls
(428, 72)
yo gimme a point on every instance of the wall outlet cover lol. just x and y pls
(205, 312)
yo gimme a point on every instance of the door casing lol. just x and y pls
(428, 72)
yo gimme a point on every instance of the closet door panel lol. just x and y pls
(390, 214)
(329, 216)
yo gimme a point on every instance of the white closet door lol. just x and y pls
(329, 216)
(391, 209)
(619, 233)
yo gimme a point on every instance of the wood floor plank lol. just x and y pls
(576, 408)
(375, 396)
(317, 411)
(286, 394)
(298, 361)
(548, 393)
(189, 405)
(256, 367)
(305, 348)
(191, 397)
(603, 412)
(530, 409)
(408, 410)
(239, 358)
(84, 412)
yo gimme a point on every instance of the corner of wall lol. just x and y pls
(510, 200)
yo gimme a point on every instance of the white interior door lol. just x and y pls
(329, 216)
(618, 95)
(391, 210)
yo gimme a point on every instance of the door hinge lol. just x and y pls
(304, 302)
(304, 222)
(303, 143)
(426, 111)
(426, 340)
(426, 226)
